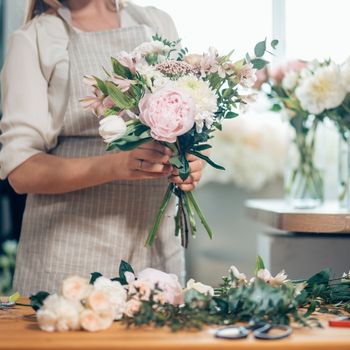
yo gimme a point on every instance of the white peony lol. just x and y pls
(112, 128)
(345, 74)
(199, 287)
(204, 99)
(93, 321)
(75, 288)
(59, 314)
(322, 90)
(116, 293)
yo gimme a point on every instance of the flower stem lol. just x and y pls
(159, 216)
(199, 213)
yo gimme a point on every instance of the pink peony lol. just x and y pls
(169, 112)
(168, 283)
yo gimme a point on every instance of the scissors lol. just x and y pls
(260, 331)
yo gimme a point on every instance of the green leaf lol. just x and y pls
(260, 48)
(207, 159)
(101, 85)
(124, 267)
(259, 63)
(123, 145)
(321, 277)
(259, 264)
(274, 43)
(276, 107)
(184, 171)
(94, 277)
(202, 147)
(121, 70)
(37, 300)
(118, 97)
(231, 115)
(14, 297)
(248, 58)
(176, 162)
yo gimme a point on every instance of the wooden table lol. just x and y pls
(19, 330)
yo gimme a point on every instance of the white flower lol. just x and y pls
(299, 288)
(264, 274)
(345, 74)
(322, 90)
(59, 314)
(203, 97)
(154, 79)
(132, 307)
(199, 287)
(140, 289)
(93, 321)
(240, 277)
(152, 47)
(98, 301)
(116, 293)
(279, 279)
(75, 288)
(346, 277)
(290, 80)
(112, 128)
(247, 75)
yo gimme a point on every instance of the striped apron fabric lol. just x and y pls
(92, 229)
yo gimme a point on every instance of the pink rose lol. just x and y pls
(168, 283)
(169, 112)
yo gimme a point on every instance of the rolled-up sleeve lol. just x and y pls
(25, 122)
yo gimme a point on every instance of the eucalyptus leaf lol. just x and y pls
(37, 300)
(274, 43)
(94, 277)
(259, 63)
(260, 48)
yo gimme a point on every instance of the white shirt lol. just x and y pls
(34, 83)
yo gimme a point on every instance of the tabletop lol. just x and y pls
(276, 213)
(19, 330)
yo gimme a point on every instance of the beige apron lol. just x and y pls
(93, 229)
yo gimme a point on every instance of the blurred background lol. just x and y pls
(306, 29)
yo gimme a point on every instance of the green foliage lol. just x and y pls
(124, 267)
(260, 48)
(259, 265)
(37, 300)
(121, 70)
(94, 277)
(7, 266)
(121, 99)
(259, 63)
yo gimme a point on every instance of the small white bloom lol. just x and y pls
(264, 275)
(346, 277)
(152, 47)
(75, 288)
(299, 288)
(132, 307)
(279, 279)
(112, 128)
(322, 90)
(290, 80)
(93, 321)
(240, 277)
(59, 314)
(140, 289)
(199, 287)
(116, 293)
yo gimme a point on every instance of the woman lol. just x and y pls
(86, 209)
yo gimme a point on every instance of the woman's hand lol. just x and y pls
(196, 167)
(148, 161)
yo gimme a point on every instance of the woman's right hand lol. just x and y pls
(149, 161)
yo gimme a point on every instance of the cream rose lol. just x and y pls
(93, 321)
(75, 288)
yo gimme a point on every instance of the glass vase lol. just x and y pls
(303, 183)
(344, 171)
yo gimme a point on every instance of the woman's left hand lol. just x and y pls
(196, 167)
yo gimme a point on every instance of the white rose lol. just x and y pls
(322, 90)
(132, 307)
(59, 314)
(200, 287)
(75, 288)
(98, 301)
(112, 128)
(93, 321)
(116, 294)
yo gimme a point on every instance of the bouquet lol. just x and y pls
(160, 92)
(155, 298)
